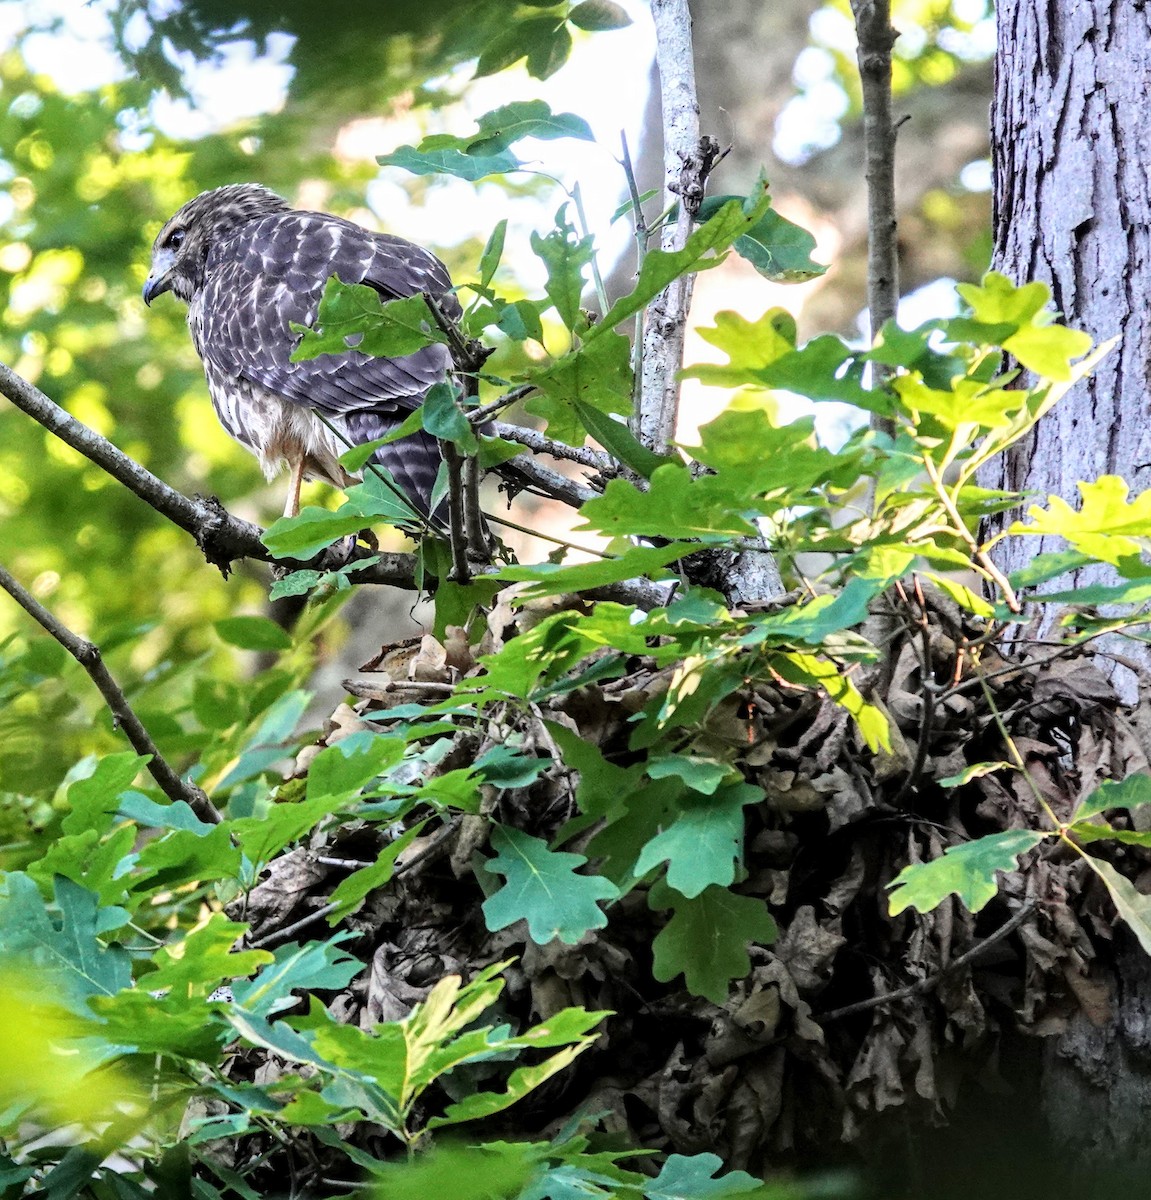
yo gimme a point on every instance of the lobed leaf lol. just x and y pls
(707, 937)
(542, 887)
(967, 871)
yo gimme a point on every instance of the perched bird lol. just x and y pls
(249, 265)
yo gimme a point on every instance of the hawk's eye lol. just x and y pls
(175, 239)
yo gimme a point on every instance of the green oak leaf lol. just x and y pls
(67, 948)
(1132, 792)
(565, 257)
(703, 249)
(676, 505)
(703, 775)
(94, 799)
(618, 440)
(599, 15)
(707, 937)
(443, 418)
(1133, 906)
(427, 159)
(501, 127)
(204, 958)
(294, 968)
(777, 248)
(1106, 526)
(596, 375)
(353, 316)
(826, 368)
(749, 345)
(555, 579)
(1031, 334)
(819, 672)
(693, 1177)
(967, 871)
(542, 887)
(544, 41)
(309, 532)
(344, 768)
(704, 842)
(253, 633)
(350, 893)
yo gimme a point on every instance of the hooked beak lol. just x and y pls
(155, 285)
(159, 278)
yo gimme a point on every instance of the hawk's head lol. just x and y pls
(180, 252)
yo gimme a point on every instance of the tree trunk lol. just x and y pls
(1070, 136)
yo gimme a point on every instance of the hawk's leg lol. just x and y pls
(295, 479)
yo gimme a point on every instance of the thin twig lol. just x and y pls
(467, 354)
(87, 654)
(639, 224)
(959, 526)
(1016, 757)
(436, 845)
(927, 985)
(929, 692)
(279, 936)
(549, 537)
(478, 416)
(466, 522)
(597, 278)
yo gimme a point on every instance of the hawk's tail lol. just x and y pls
(414, 463)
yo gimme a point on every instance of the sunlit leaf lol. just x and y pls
(1132, 792)
(967, 871)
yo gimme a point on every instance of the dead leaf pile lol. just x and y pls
(852, 1012)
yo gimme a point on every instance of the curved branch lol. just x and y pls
(221, 536)
(932, 981)
(225, 538)
(87, 654)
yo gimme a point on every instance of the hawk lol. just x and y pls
(249, 265)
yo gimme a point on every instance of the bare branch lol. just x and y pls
(525, 471)
(222, 537)
(87, 654)
(932, 981)
(461, 572)
(875, 38)
(540, 443)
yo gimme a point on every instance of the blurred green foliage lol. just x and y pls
(85, 182)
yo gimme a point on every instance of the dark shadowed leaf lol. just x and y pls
(707, 937)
